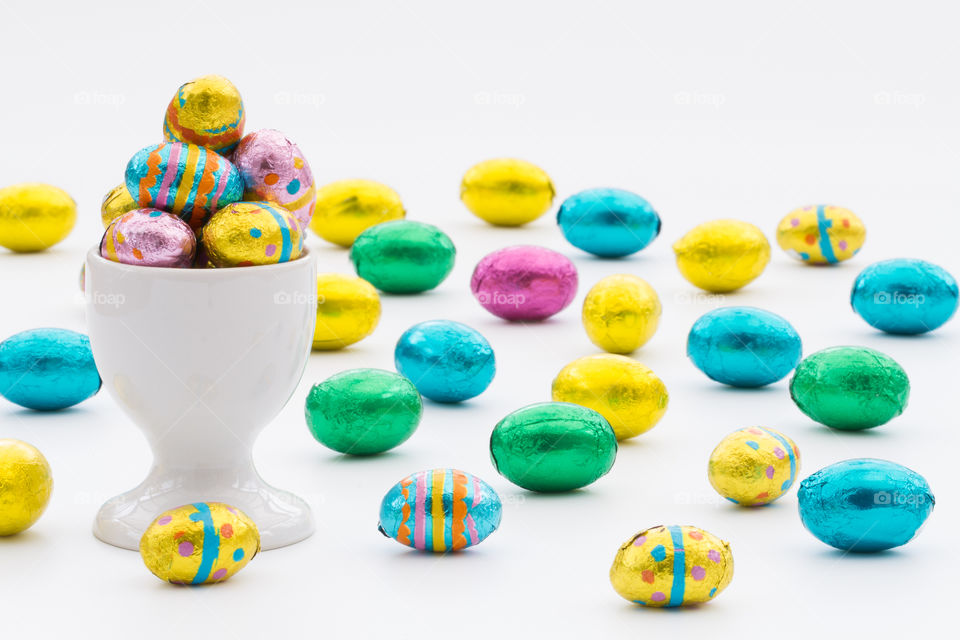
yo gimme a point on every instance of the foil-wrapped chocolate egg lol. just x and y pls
(609, 223)
(149, 238)
(743, 346)
(35, 216)
(524, 283)
(507, 192)
(754, 466)
(403, 256)
(199, 543)
(905, 296)
(184, 179)
(865, 505)
(348, 310)
(621, 313)
(722, 255)
(447, 361)
(850, 388)
(553, 446)
(274, 169)
(440, 510)
(25, 486)
(207, 112)
(821, 234)
(672, 566)
(347, 208)
(47, 369)
(245, 234)
(626, 393)
(117, 202)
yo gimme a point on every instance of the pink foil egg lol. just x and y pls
(149, 238)
(274, 169)
(524, 283)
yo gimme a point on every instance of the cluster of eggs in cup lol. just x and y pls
(211, 197)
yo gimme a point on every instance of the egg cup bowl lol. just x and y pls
(201, 360)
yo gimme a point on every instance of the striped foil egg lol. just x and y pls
(440, 510)
(754, 466)
(245, 234)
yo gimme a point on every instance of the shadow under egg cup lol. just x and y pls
(202, 360)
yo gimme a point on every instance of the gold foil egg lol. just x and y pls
(244, 234)
(348, 310)
(628, 394)
(25, 486)
(347, 208)
(821, 234)
(207, 112)
(621, 313)
(754, 466)
(507, 192)
(672, 566)
(35, 216)
(722, 255)
(116, 203)
(199, 543)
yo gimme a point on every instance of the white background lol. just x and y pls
(707, 109)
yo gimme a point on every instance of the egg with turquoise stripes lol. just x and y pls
(754, 466)
(821, 234)
(246, 234)
(672, 566)
(440, 510)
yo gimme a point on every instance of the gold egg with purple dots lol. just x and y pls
(245, 234)
(821, 234)
(754, 466)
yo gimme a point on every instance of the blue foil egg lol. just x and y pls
(47, 369)
(447, 361)
(743, 346)
(864, 504)
(609, 223)
(905, 296)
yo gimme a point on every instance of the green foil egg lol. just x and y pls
(553, 446)
(403, 256)
(850, 388)
(363, 411)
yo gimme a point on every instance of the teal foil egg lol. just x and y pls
(47, 369)
(609, 223)
(447, 361)
(905, 296)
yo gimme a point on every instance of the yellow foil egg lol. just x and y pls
(754, 466)
(199, 543)
(245, 234)
(116, 203)
(25, 486)
(35, 216)
(347, 208)
(621, 313)
(507, 192)
(821, 234)
(628, 394)
(207, 112)
(722, 255)
(348, 310)
(672, 566)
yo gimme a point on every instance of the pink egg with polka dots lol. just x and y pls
(275, 170)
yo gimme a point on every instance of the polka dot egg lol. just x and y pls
(754, 466)
(252, 233)
(199, 543)
(274, 169)
(672, 566)
(821, 234)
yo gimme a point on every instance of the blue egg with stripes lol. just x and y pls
(744, 346)
(47, 369)
(610, 223)
(440, 510)
(905, 296)
(447, 361)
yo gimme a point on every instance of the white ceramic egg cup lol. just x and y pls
(202, 360)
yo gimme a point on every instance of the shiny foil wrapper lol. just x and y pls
(553, 446)
(609, 223)
(403, 256)
(245, 234)
(850, 388)
(507, 192)
(199, 543)
(274, 169)
(865, 505)
(348, 310)
(363, 411)
(116, 203)
(628, 394)
(672, 566)
(722, 255)
(347, 208)
(524, 283)
(440, 510)
(821, 234)
(47, 369)
(754, 466)
(149, 238)
(447, 361)
(25, 486)
(621, 313)
(207, 112)
(35, 216)
(905, 296)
